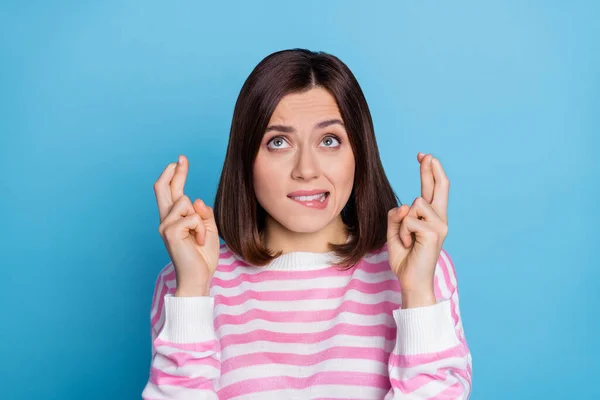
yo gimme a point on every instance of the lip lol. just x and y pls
(307, 192)
(315, 204)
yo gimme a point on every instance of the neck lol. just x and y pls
(279, 238)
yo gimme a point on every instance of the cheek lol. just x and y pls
(341, 172)
(266, 178)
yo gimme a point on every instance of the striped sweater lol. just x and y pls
(299, 328)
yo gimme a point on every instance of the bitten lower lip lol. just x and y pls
(313, 203)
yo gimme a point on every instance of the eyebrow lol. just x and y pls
(291, 129)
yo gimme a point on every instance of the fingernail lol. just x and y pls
(180, 161)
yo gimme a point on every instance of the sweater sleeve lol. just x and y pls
(186, 355)
(431, 358)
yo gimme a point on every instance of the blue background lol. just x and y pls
(97, 97)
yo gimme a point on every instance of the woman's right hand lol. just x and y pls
(188, 230)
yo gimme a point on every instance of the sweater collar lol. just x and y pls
(302, 260)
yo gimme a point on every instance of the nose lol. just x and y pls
(306, 166)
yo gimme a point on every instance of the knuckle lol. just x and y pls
(169, 233)
(444, 229)
(432, 234)
(183, 201)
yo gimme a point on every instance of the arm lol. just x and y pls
(186, 355)
(431, 358)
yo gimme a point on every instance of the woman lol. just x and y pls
(324, 287)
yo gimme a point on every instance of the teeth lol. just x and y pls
(320, 197)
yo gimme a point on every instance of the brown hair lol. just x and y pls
(239, 217)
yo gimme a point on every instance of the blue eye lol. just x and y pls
(331, 141)
(277, 143)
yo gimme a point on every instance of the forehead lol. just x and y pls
(314, 104)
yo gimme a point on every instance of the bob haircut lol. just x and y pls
(240, 218)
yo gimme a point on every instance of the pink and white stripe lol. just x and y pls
(301, 329)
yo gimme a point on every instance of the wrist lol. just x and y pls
(192, 285)
(418, 299)
(192, 291)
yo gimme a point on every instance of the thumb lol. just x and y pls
(207, 214)
(395, 217)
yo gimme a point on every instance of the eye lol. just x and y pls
(277, 143)
(331, 141)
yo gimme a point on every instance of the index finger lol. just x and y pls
(441, 191)
(162, 190)
(427, 179)
(178, 182)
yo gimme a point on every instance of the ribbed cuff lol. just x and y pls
(188, 319)
(423, 330)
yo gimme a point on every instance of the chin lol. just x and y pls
(304, 224)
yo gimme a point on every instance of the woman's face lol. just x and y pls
(304, 170)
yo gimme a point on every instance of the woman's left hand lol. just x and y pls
(415, 234)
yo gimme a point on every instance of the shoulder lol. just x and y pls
(445, 283)
(444, 260)
(375, 262)
(445, 271)
(166, 280)
(166, 283)
(380, 252)
(228, 260)
(226, 255)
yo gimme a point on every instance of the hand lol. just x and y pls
(416, 234)
(188, 230)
